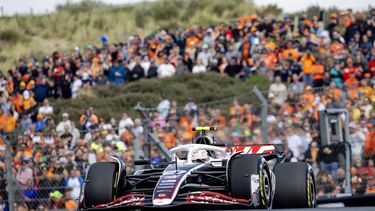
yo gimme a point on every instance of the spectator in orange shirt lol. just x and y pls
(10, 122)
(352, 85)
(365, 89)
(28, 103)
(308, 97)
(17, 102)
(317, 71)
(336, 47)
(334, 92)
(307, 61)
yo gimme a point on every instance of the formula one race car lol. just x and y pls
(205, 173)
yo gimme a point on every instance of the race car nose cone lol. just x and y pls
(161, 202)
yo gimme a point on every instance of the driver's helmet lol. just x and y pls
(200, 156)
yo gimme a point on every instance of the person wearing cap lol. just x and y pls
(28, 102)
(308, 97)
(64, 125)
(205, 55)
(40, 124)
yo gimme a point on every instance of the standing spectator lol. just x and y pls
(66, 86)
(117, 74)
(74, 182)
(166, 69)
(329, 157)
(295, 144)
(278, 92)
(164, 106)
(28, 103)
(190, 107)
(317, 71)
(125, 122)
(356, 140)
(41, 90)
(295, 88)
(307, 61)
(76, 86)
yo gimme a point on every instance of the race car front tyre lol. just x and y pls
(249, 176)
(295, 186)
(101, 182)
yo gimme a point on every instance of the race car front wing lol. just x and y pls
(198, 197)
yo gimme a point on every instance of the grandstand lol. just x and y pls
(303, 64)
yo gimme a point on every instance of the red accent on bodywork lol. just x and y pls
(128, 200)
(208, 197)
(251, 149)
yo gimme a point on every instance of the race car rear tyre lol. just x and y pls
(295, 186)
(245, 171)
(101, 182)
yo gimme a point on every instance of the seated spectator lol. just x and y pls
(137, 72)
(181, 67)
(29, 194)
(199, 67)
(166, 69)
(233, 69)
(64, 125)
(24, 173)
(40, 124)
(46, 109)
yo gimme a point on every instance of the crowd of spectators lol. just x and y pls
(314, 65)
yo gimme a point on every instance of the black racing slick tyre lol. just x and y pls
(101, 182)
(245, 171)
(295, 186)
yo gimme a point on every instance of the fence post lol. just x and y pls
(10, 181)
(264, 113)
(146, 124)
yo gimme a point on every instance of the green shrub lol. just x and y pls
(12, 36)
(207, 89)
(165, 10)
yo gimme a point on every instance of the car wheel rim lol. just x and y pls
(312, 192)
(266, 186)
